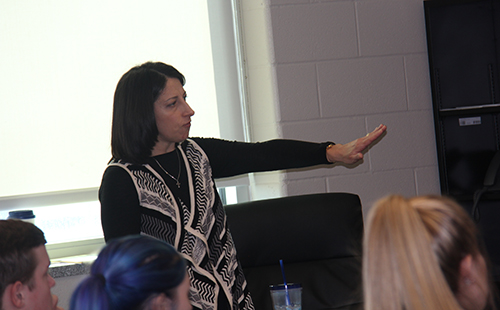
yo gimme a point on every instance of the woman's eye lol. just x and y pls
(171, 104)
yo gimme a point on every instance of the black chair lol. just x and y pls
(319, 238)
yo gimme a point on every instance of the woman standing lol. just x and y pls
(161, 183)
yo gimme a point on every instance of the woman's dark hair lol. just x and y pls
(129, 271)
(134, 132)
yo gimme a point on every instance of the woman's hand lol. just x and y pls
(352, 152)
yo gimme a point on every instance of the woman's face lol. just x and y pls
(173, 117)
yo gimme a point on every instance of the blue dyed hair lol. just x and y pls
(127, 272)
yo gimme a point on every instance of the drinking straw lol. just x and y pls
(287, 296)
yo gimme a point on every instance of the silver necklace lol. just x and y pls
(177, 180)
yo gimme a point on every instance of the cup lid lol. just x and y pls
(21, 214)
(279, 287)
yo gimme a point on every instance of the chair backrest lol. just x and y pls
(319, 238)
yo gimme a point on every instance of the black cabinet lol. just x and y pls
(463, 39)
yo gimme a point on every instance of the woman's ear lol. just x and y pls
(467, 271)
(465, 281)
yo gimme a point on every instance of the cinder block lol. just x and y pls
(391, 27)
(339, 130)
(409, 142)
(362, 86)
(427, 179)
(372, 186)
(307, 186)
(298, 92)
(418, 82)
(314, 32)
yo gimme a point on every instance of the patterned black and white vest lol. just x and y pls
(199, 232)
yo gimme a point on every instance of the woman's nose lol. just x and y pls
(189, 111)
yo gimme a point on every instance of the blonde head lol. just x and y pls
(412, 253)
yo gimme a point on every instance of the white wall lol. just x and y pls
(334, 70)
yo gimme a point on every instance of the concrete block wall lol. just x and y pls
(338, 69)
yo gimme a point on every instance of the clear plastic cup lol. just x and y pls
(279, 296)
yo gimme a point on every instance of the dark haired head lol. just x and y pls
(127, 272)
(134, 132)
(17, 259)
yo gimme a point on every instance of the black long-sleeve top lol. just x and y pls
(120, 212)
